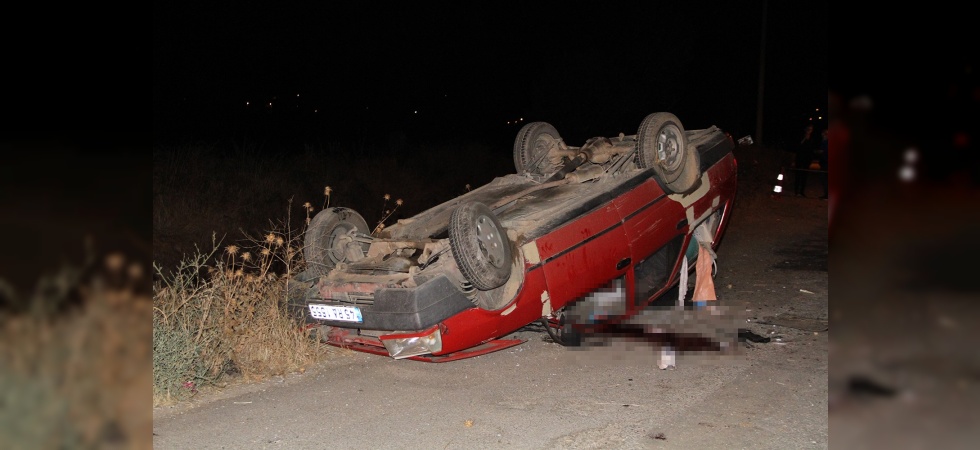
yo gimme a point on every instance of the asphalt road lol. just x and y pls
(539, 395)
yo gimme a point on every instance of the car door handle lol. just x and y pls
(623, 263)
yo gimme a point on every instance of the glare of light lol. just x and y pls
(416, 111)
(297, 95)
(522, 119)
(819, 117)
(779, 177)
(818, 109)
(911, 155)
(247, 103)
(270, 103)
(316, 110)
(906, 173)
(777, 189)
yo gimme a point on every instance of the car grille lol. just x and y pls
(353, 298)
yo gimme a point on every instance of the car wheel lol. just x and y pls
(479, 244)
(663, 147)
(328, 241)
(531, 147)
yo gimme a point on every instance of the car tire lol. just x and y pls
(531, 148)
(480, 245)
(662, 146)
(325, 243)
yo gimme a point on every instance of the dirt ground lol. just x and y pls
(772, 277)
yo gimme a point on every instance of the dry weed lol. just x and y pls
(77, 376)
(224, 314)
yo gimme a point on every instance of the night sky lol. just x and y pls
(464, 70)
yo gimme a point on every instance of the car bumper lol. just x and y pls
(415, 308)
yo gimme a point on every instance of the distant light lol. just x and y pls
(522, 119)
(316, 110)
(779, 177)
(819, 117)
(818, 109)
(297, 95)
(906, 173)
(247, 103)
(911, 156)
(270, 103)
(777, 189)
(416, 111)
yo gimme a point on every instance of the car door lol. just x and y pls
(584, 254)
(655, 227)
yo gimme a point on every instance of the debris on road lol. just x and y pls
(746, 335)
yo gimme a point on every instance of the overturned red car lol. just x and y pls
(615, 216)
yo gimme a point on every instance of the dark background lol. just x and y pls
(469, 69)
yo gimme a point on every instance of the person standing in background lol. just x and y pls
(822, 159)
(804, 155)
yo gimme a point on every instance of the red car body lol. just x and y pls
(566, 232)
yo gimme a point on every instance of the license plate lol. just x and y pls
(341, 313)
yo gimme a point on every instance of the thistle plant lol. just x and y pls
(386, 213)
(326, 196)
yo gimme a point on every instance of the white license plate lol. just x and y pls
(341, 313)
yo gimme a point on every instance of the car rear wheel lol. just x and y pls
(479, 244)
(328, 240)
(663, 147)
(531, 147)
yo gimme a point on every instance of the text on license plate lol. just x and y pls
(341, 313)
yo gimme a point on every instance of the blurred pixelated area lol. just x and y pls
(75, 306)
(904, 371)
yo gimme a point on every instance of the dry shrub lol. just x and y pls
(76, 377)
(224, 314)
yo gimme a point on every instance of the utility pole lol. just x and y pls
(762, 75)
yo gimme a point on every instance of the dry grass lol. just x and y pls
(223, 315)
(76, 376)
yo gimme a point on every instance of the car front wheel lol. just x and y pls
(479, 244)
(329, 240)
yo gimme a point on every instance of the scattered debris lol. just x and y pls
(746, 335)
(805, 291)
(660, 436)
(468, 423)
(667, 358)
